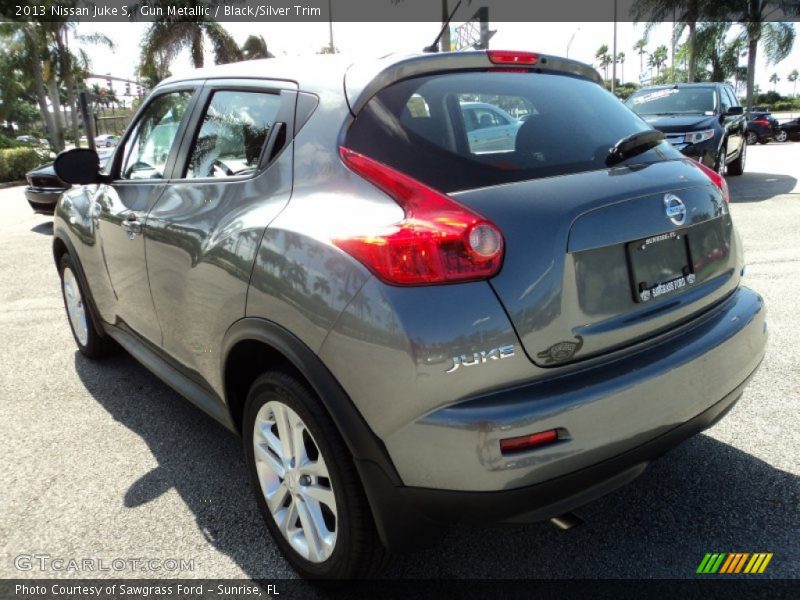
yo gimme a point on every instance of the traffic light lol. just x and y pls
(139, 91)
(127, 88)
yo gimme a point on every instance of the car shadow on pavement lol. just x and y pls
(704, 496)
(755, 187)
(45, 228)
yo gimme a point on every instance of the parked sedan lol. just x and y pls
(791, 129)
(762, 127)
(106, 141)
(45, 188)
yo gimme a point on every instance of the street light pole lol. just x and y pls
(569, 43)
(614, 53)
(330, 25)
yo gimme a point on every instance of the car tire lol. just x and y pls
(737, 166)
(325, 535)
(752, 138)
(719, 164)
(91, 342)
(781, 136)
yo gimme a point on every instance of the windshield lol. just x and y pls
(459, 131)
(669, 101)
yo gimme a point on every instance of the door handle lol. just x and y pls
(132, 225)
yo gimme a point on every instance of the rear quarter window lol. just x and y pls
(465, 130)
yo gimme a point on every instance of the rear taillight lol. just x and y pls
(512, 57)
(717, 179)
(763, 122)
(437, 241)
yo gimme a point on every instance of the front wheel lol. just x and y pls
(306, 483)
(752, 138)
(781, 136)
(737, 166)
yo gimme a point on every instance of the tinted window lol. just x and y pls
(731, 96)
(148, 147)
(694, 100)
(725, 100)
(232, 134)
(569, 125)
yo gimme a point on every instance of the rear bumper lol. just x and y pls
(619, 416)
(408, 517)
(43, 200)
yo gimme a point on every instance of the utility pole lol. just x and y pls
(330, 25)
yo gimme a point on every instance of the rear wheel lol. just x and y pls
(91, 342)
(737, 166)
(306, 483)
(752, 138)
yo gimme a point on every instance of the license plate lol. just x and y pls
(660, 265)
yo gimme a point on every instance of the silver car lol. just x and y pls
(406, 331)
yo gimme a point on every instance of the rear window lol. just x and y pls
(466, 130)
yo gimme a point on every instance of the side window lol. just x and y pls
(232, 134)
(732, 96)
(147, 149)
(725, 100)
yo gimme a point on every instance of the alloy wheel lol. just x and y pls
(752, 138)
(294, 480)
(76, 311)
(781, 136)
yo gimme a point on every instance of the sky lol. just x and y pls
(377, 39)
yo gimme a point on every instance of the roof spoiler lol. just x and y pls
(364, 80)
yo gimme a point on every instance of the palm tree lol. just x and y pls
(792, 78)
(685, 14)
(621, 61)
(778, 38)
(166, 38)
(29, 43)
(255, 47)
(774, 79)
(658, 58)
(641, 51)
(603, 58)
(714, 49)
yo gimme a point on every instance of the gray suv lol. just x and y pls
(406, 332)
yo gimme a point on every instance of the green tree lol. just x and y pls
(792, 78)
(715, 51)
(165, 39)
(776, 38)
(658, 58)
(774, 79)
(603, 58)
(641, 49)
(621, 61)
(685, 13)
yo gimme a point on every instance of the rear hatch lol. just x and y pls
(599, 253)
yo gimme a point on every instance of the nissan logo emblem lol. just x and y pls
(675, 209)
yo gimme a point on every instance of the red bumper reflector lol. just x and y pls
(527, 442)
(512, 57)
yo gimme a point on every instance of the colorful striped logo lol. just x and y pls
(734, 562)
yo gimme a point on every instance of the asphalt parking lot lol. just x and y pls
(103, 461)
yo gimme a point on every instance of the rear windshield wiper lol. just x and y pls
(633, 144)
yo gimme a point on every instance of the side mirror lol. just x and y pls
(79, 166)
(735, 110)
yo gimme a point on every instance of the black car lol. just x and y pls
(45, 188)
(703, 120)
(792, 129)
(762, 127)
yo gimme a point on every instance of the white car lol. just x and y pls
(106, 141)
